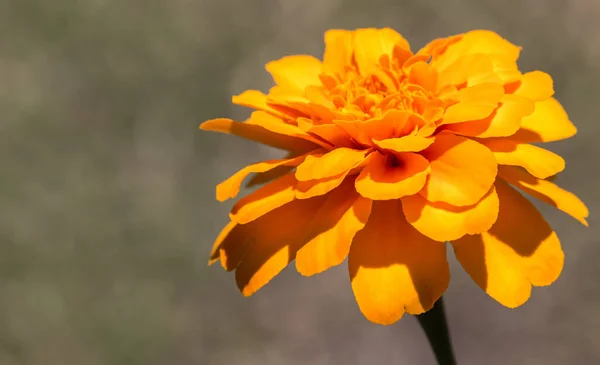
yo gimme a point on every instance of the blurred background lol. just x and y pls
(107, 208)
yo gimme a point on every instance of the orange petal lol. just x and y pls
(382, 179)
(473, 42)
(504, 121)
(444, 222)
(409, 143)
(539, 162)
(462, 170)
(338, 50)
(214, 253)
(265, 199)
(267, 176)
(330, 164)
(536, 86)
(549, 122)
(424, 75)
(312, 188)
(277, 125)
(257, 100)
(393, 268)
(520, 250)
(258, 134)
(472, 69)
(272, 242)
(370, 44)
(230, 188)
(546, 191)
(391, 124)
(475, 102)
(332, 229)
(331, 133)
(295, 73)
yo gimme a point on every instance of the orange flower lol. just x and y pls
(391, 155)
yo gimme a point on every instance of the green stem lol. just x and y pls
(435, 326)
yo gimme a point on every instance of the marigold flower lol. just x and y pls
(391, 155)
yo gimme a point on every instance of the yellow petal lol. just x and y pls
(520, 250)
(230, 188)
(549, 122)
(272, 242)
(538, 161)
(386, 177)
(443, 222)
(295, 73)
(258, 134)
(409, 143)
(338, 50)
(462, 170)
(546, 191)
(370, 44)
(504, 121)
(393, 268)
(330, 164)
(475, 102)
(332, 229)
(265, 199)
(536, 86)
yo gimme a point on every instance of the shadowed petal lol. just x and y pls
(332, 229)
(546, 191)
(393, 268)
(519, 251)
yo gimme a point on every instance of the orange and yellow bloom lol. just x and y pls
(391, 154)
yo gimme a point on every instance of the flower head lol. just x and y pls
(391, 155)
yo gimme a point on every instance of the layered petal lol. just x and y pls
(443, 222)
(548, 122)
(268, 197)
(271, 243)
(332, 229)
(392, 177)
(311, 188)
(215, 252)
(409, 143)
(502, 53)
(257, 100)
(546, 191)
(538, 161)
(462, 170)
(230, 188)
(330, 164)
(519, 251)
(504, 121)
(393, 268)
(474, 102)
(259, 134)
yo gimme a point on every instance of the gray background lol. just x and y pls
(107, 209)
